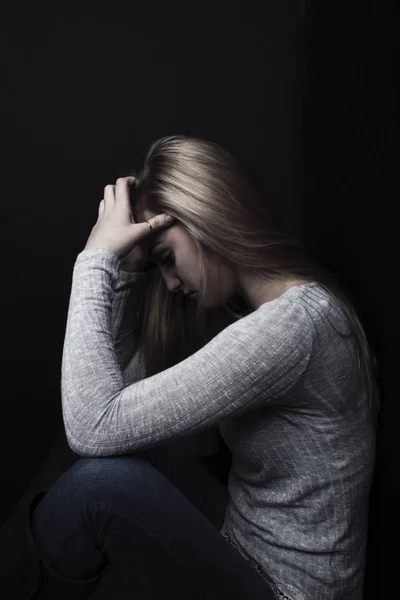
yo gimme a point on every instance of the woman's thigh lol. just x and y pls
(128, 511)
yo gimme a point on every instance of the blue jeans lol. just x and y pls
(151, 525)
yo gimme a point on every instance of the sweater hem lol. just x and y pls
(278, 593)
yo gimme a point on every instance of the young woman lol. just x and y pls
(218, 323)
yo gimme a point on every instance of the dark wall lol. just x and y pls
(301, 92)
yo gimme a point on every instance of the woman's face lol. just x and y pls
(176, 255)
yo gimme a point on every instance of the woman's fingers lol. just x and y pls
(122, 192)
(109, 197)
(117, 198)
(158, 223)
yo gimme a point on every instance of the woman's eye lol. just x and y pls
(168, 258)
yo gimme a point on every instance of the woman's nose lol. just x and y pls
(173, 283)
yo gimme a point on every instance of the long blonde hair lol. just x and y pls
(202, 185)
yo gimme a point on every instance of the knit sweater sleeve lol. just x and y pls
(124, 323)
(245, 366)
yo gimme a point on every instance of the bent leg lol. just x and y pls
(125, 512)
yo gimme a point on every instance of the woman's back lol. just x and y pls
(302, 466)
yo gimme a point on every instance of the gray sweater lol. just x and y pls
(279, 384)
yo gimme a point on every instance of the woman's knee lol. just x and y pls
(95, 479)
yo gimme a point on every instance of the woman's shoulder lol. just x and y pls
(322, 305)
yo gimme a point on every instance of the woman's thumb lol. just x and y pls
(156, 223)
(161, 221)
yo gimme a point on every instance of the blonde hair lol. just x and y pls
(202, 185)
